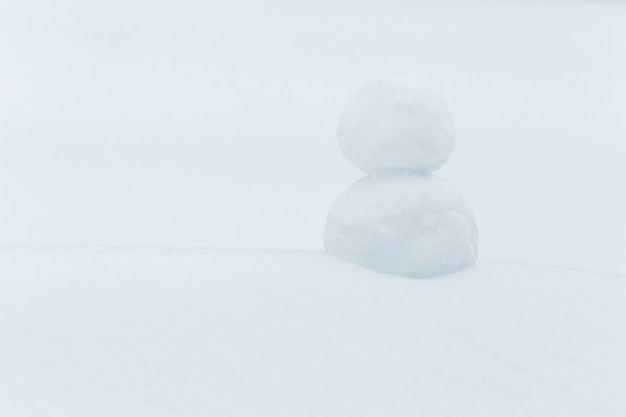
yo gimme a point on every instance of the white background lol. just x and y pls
(212, 124)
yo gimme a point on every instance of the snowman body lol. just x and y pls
(400, 218)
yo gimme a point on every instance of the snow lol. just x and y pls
(392, 124)
(213, 124)
(406, 224)
(398, 221)
(171, 332)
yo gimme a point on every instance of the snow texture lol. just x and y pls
(411, 225)
(391, 124)
(399, 219)
(167, 332)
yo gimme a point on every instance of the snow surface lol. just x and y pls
(407, 224)
(393, 124)
(166, 332)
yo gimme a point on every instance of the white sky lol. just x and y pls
(212, 124)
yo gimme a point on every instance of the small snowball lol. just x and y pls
(412, 225)
(394, 125)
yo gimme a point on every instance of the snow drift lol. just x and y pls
(164, 332)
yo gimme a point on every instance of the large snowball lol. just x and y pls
(394, 125)
(406, 224)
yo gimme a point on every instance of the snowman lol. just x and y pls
(400, 218)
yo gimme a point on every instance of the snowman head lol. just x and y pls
(394, 125)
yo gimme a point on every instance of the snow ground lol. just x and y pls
(168, 332)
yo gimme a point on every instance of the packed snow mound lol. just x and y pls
(391, 124)
(398, 219)
(169, 332)
(415, 225)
